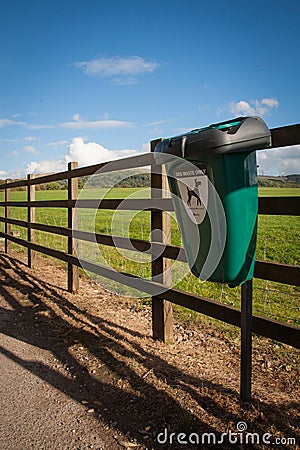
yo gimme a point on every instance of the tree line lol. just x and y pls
(118, 179)
(143, 179)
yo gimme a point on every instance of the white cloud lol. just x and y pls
(146, 148)
(271, 102)
(31, 138)
(78, 123)
(29, 149)
(45, 166)
(256, 107)
(6, 123)
(120, 69)
(85, 153)
(9, 122)
(2, 173)
(88, 153)
(34, 126)
(76, 117)
(279, 161)
(10, 141)
(57, 143)
(158, 122)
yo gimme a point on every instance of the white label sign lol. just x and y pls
(193, 189)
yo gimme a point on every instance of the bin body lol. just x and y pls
(215, 196)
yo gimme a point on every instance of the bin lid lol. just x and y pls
(243, 134)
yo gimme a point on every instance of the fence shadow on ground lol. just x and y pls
(128, 410)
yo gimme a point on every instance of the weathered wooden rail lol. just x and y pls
(161, 302)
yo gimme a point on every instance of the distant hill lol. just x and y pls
(294, 178)
(280, 181)
(143, 179)
(122, 178)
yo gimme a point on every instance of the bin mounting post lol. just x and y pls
(246, 342)
(162, 310)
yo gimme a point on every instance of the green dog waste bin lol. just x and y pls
(212, 176)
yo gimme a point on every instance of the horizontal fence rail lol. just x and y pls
(147, 204)
(266, 205)
(285, 136)
(281, 206)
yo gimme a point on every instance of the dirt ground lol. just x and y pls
(82, 371)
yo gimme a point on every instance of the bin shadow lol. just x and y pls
(128, 401)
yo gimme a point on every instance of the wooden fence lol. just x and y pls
(162, 317)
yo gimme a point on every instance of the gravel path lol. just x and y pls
(35, 414)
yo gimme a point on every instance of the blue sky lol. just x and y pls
(92, 81)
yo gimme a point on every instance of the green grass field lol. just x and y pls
(278, 240)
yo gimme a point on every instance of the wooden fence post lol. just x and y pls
(73, 271)
(162, 310)
(31, 254)
(7, 216)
